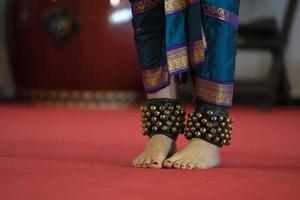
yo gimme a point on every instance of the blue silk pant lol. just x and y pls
(196, 36)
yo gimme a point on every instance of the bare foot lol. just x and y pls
(158, 148)
(198, 154)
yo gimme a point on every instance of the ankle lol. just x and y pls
(168, 92)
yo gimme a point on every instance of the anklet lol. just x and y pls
(207, 126)
(162, 116)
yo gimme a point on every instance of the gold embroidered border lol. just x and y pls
(177, 59)
(218, 13)
(220, 94)
(144, 5)
(153, 78)
(197, 52)
(174, 5)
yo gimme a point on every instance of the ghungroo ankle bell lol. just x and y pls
(209, 127)
(163, 116)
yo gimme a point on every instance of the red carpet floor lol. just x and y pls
(63, 154)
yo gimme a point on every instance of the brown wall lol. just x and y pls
(100, 56)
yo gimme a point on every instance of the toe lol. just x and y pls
(135, 161)
(183, 164)
(201, 166)
(147, 163)
(177, 164)
(140, 162)
(197, 166)
(157, 161)
(169, 162)
(156, 164)
(190, 165)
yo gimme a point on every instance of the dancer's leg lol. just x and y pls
(159, 147)
(149, 29)
(213, 85)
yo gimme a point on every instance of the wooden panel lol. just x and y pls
(101, 56)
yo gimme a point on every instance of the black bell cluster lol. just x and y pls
(163, 118)
(209, 127)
